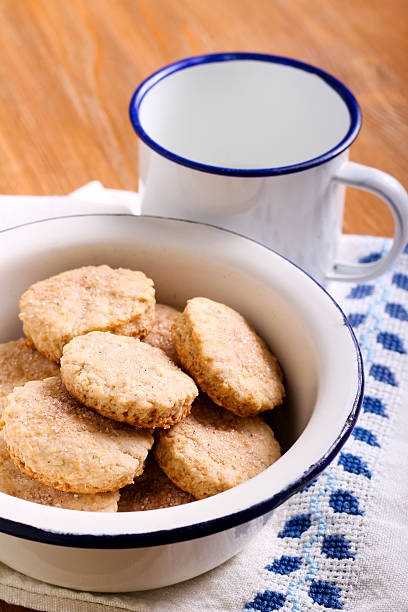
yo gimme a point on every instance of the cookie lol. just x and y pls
(213, 450)
(56, 440)
(226, 358)
(20, 363)
(14, 482)
(152, 490)
(55, 310)
(126, 380)
(160, 336)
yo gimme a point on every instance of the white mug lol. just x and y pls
(258, 144)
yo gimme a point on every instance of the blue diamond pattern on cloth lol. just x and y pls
(354, 465)
(356, 319)
(344, 501)
(285, 565)
(365, 435)
(295, 526)
(267, 601)
(370, 258)
(375, 406)
(321, 535)
(383, 374)
(401, 280)
(361, 291)
(396, 311)
(391, 342)
(406, 249)
(337, 547)
(325, 594)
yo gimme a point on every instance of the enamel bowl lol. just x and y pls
(305, 329)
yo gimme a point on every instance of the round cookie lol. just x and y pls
(14, 482)
(56, 440)
(213, 450)
(152, 490)
(85, 299)
(226, 358)
(20, 363)
(160, 336)
(126, 380)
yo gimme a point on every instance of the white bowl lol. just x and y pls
(304, 327)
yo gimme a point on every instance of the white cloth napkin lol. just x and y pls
(353, 553)
(91, 198)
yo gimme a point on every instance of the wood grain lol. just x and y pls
(68, 69)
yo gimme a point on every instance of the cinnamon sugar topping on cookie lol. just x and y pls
(78, 301)
(226, 358)
(56, 440)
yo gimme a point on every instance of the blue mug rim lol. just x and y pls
(335, 84)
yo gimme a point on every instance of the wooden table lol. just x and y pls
(68, 69)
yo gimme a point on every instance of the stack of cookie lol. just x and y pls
(79, 436)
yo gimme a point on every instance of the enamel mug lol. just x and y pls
(258, 144)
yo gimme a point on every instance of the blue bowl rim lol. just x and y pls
(205, 528)
(162, 73)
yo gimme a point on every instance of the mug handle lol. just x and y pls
(392, 192)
